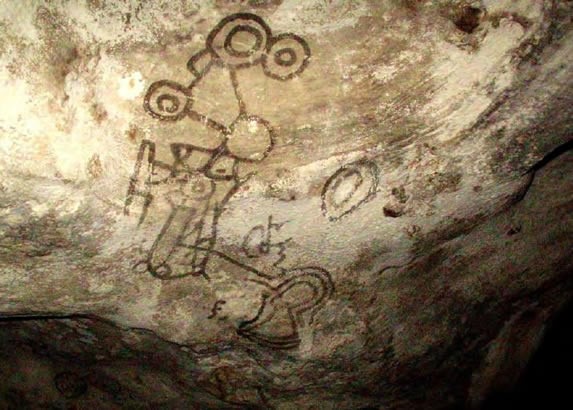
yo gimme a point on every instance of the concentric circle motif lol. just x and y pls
(349, 188)
(167, 100)
(287, 56)
(239, 40)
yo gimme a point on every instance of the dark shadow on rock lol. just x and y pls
(546, 381)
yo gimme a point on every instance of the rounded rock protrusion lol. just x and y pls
(251, 139)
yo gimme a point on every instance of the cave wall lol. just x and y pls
(298, 203)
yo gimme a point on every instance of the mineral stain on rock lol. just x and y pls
(95, 168)
(468, 19)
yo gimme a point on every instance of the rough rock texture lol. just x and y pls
(318, 204)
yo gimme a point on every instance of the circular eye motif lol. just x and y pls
(287, 56)
(239, 40)
(167, 100)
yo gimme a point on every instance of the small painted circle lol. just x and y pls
(285, 57)
(250, 43)
(239, 40)
(288, 55)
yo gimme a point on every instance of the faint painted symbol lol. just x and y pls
(199, 181)
(259, 241)
(216, 308)
(349, 188)
(306, 290)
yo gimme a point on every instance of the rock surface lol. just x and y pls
(278, 204)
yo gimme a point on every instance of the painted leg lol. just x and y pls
(168, 257)
(200, 240)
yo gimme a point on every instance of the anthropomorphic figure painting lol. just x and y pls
(200, 180)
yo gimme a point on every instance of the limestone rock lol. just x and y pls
(277, 203)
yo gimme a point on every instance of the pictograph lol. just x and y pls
(200, 181)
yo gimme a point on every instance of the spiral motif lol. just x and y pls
(287, 56)
(167, 100)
